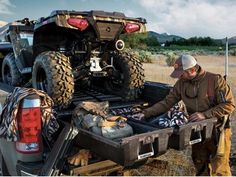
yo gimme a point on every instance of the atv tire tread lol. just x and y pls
(9, 60)
(59, 76)
(135, 77)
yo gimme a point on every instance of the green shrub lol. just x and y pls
(232, 52)
(171, 58)
(145, 56)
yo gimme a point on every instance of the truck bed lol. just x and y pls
(147, 141)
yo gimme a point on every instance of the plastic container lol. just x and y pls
(147, 141)
(191, 133)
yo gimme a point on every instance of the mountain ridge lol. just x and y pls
(163, 37)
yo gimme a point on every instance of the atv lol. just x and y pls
(72, 49)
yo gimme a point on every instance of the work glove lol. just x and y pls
(81, 158)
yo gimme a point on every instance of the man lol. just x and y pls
(193, 88)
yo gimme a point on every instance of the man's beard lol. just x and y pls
(189, 78)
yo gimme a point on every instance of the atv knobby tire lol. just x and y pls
(129, 77)
(10, 72)
(52, 73)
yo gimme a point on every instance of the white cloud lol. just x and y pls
(5, 7)
(189, 18)
(129, 13)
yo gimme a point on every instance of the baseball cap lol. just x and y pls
(183, 63)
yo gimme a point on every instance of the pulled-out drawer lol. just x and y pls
(147, 141)
(191, 133)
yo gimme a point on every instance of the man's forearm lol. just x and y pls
(156, 109)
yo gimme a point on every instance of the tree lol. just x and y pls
(131, 40)
(152, 41)
(139, 40)
(194, 41)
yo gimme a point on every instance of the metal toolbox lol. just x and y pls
(147, 141)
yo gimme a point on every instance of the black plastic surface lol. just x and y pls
(129, 150)
(184, 135)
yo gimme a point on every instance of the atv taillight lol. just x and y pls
(81, 24)
(131, 27)
(29, 126)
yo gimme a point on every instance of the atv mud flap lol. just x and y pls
(191, 133)
(146, 142)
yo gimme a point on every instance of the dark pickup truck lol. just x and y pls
(110, 156)
(61, 52)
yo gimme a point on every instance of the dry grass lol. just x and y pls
(159, 71)
(172, 163)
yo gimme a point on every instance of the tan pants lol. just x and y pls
(205, 161)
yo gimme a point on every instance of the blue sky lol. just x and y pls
(187, 18)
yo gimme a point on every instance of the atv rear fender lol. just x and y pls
(107, 25)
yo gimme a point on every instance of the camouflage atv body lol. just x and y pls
(70, 49)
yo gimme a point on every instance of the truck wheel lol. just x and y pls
(128, 77)
(3, 167)
(10, 72)
(52, 73)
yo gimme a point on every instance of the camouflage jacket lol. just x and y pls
(195, 95)
(8, 122)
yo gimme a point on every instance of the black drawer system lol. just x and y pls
(191, 133)
(146, 142)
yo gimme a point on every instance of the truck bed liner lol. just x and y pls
(93, 95)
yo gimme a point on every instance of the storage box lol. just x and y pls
(191, 133)
(147, 141)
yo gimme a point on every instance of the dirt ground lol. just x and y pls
(159, 71)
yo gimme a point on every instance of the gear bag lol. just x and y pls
(93, 116)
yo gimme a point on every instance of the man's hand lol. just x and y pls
(136, 110)
(197, 116)
(138, 116)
